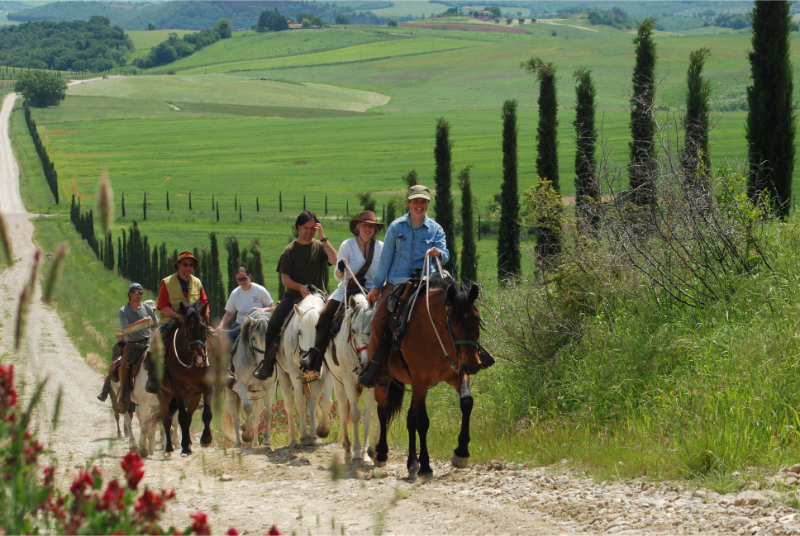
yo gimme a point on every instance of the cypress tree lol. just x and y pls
(280, 201)
(391, 212)
(411, 178)
(120, 256)
(770, 121)
(256, 262)
(167, 201)
(234, 260)
(144, 206)
(643, 126)
(215, 279)
(190, 200)
(213, 205)
(347, 207)
(123, 204)
(469, 254)
(547, 130)
(696, 122)
(123, 257)
(304, 203)
(235, 202)
(326, 205)
(152, 273)
(258, 209)
(165, 268)
(240, 212)
(217, 212)
(587, 189)
(443, 202)
(508, 254)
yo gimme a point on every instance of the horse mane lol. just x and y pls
(193, 309)
(461, 304)
(306, 304)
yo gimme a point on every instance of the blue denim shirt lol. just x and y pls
(404, 249)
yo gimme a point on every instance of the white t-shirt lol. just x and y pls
(352, 254)
(242, 301)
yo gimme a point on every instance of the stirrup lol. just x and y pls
(369, 378)
(102, 396)
(151, 386)
(312, 361)
(261, 372)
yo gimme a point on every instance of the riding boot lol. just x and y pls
(152, 381)
(124, 400)
(106, 388)
(265, 369)
(370, 376)
(312, 361)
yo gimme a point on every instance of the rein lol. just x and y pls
(190, 343)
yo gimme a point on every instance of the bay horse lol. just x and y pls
(440, 345)
(255, 395)
(186, 364)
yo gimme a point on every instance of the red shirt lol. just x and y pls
(163, 297)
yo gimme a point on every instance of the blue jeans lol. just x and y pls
(233, 332)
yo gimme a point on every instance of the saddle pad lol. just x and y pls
(136, 367)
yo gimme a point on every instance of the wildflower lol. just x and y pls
(151, 505)
(113, 497)
(200, 525)
(232, 532)
(133, 466)
(274, 531)
(82, 482)
(49, 475)
(8, 395)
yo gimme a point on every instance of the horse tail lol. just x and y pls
(395, 399)
(227, 420)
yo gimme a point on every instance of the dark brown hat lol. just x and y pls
(366, 216)
(186, 255)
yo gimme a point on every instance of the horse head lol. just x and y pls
(195, 332)
(464, 325)
(254, 333)
(307, 315)
(357, 321)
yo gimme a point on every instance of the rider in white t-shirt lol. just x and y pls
(246, 296)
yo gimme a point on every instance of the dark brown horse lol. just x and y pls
(441, 345)
(186, 365)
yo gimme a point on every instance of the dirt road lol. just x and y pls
(292, 488)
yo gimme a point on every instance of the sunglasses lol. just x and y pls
(139, 292)
(240, 279)
(187, 264)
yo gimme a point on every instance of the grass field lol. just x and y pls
(149, 39)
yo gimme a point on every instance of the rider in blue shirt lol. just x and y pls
(407, 241)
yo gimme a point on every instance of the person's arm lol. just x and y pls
(266, 301)
(289, 283)
(329, 249)
(129, 327)
(440, 243)
(387, 255)
(163, 304)
(339, 275)
(226, 318)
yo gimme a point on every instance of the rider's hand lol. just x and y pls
(373, 295)
(179, 318)
(434, 252)
(304, 292)
(318, 227)
(340, 266)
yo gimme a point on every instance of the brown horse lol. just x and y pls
(186, 364)
(441, 345)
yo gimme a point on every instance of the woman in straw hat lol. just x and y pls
(362, 253)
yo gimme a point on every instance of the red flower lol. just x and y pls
(112, 499)
(8, 395)
(83, 481)
(232, 532)
(49, 475)
(133, 466)
(151, 505)
(200, 525)
(274, 531)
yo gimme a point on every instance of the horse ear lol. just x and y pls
(297, 310)
(204, 310)
(353, 302)
(246, 325)
(451, 294)
(474, 291)
(183, 309)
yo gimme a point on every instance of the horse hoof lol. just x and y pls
(459, 462)
(168, 456)
(247, 438)
(413, 472)
(379, 464)
(204, 444)
(424, 477)
(357, 462)
(309, 441)
(371, 452)
(323, 432)
(144, 453)
(185, 453)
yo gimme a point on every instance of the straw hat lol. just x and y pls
(186, 255)
(366, 216)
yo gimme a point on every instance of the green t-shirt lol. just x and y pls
(304, 264)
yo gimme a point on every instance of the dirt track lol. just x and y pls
(292, 488)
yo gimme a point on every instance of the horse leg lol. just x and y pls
(206, 438)
(185, 420)
(269, 398)
(247, 435)
(382, 449)
(144, 430)
(412, 424)
(366, 419)
(302, 405)
(423, 423)
(232, 402)
(166, 420)
(461, 454)
(344, 436)
(288, 404)
(324, 427)
(131, 436)
(355, 420)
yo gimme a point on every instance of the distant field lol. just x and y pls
(149, 39)
(269, 45)
(413, 8)
(371, 51)
(223, 89)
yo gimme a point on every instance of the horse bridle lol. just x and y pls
(256, 349)
(189, 342)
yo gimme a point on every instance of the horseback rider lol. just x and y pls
(407, 241)
(303, 262)
(180, 288)
(362, 254)
(246, 296)
(136, 321)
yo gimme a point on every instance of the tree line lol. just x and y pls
(75, 45)
(175, 48)
(50, 173)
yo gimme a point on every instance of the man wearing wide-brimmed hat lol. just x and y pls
(362, 254)
(181, 287)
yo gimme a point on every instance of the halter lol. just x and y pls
(190, 343)
(254, 348)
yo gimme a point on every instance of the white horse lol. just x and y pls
(352, 343)
(148, 413)
(247, 387)
(298, 338)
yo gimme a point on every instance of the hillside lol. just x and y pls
(195, 15)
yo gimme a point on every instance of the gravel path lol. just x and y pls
(253, 489)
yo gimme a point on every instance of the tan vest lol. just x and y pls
(175, 292)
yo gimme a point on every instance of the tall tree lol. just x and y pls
(508, 254)
(123, 204)
(167, 201)
(643, 126)
(469, 253)
(547, 130)
(587, 188)
(213, 278)
(411, 178)
(234, 260)
(443, 202)
(256, 265)
(144, 207)
(696, 122)
(770, 121)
